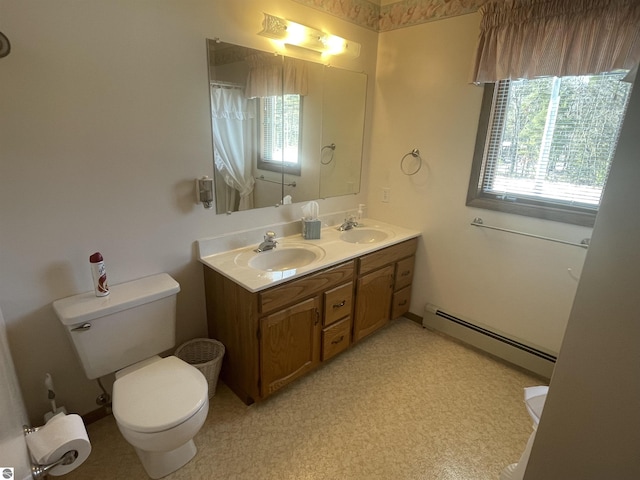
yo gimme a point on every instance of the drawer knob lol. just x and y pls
(341, 304)
(402, 303)
(337, 340)
(405, 273)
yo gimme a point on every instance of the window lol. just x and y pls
(280, 133)
(544, 146)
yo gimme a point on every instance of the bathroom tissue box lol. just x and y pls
(55, 438)
(311, 229)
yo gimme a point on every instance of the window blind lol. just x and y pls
(268, 129)
(281, 128)
(552, 140)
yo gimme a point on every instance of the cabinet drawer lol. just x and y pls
(290, 292)
(337, 303)
(404, 273)
(336, 338)
(401, 302)
(387, 255)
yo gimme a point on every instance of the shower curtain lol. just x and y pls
(234, 142)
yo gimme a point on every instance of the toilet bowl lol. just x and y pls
(534, 399)
(159, 405)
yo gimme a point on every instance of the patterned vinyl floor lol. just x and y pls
(405, 403)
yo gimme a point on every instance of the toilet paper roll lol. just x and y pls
(59, 435)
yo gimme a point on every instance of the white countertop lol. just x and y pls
(330, 249)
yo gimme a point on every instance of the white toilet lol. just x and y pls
(159, 403)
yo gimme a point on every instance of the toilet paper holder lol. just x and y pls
(40, 471)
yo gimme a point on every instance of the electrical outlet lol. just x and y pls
(386, 194)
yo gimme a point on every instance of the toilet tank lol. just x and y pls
(134, 322)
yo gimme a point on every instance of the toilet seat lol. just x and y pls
(159, 395)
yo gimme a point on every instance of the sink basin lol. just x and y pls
(282, 259)
(363, 235)
(285, 258)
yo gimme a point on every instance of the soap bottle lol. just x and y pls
(99, 274)
(360, 214)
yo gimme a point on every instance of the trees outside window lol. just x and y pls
(545, 145)
(280, 133)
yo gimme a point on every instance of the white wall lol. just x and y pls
(13, 449)
(104, 124)
(590, 426)
(512, 284)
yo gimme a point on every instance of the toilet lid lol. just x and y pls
(159, 396)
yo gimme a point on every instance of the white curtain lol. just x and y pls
(265, 75)
(295, 76)
(537, 38)
(234, 140)
(271, 75)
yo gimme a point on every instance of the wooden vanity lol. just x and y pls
(276, 335)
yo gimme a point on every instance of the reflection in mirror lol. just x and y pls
(342, 132)
(271, 119)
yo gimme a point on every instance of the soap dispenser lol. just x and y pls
(360, 213)
(204, 191)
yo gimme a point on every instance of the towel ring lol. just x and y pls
(332, 147)
(415, 153)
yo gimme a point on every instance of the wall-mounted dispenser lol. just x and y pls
(204, 191)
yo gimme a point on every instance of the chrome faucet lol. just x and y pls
(348, 224)
(269, 242)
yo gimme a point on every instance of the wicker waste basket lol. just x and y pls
(206, 355)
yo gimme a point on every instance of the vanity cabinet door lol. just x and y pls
(373, 301)
(289, 344)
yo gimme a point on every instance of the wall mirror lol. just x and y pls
(284, 129)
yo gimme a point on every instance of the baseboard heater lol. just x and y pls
(499, 345)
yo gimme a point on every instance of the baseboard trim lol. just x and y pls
(95, 415)
(541, 366)
(413, 317)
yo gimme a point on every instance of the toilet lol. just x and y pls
(159, 403)
(534, 399)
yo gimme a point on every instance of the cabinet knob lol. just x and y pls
(337, 340)
(341, 304)
(317, 317)
(405, 273)
(402, 303)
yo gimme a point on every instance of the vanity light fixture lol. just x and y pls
(293, 33)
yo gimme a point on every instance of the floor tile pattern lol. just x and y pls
(405, 403)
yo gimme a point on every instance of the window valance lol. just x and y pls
(271, 75)
(295, 77)
(536, 38)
